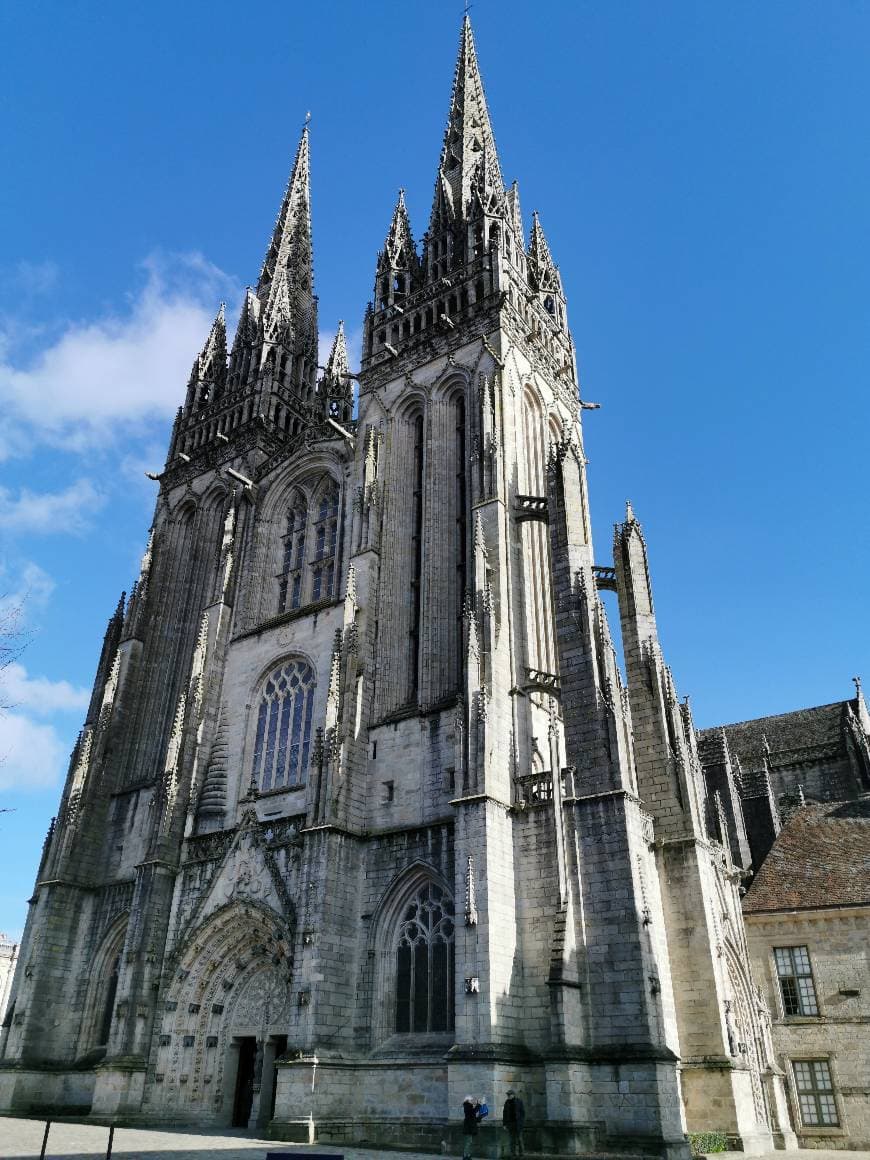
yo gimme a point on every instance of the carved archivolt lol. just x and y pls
(233, 977)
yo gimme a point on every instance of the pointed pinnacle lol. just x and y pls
(211, 362)
(515, 214)
(337, 365)
(539, 250)
(399, 235)
(249, 318)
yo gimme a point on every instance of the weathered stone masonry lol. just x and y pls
(363, 816)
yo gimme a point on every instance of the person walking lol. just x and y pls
(472, 1114)
(513, 1118)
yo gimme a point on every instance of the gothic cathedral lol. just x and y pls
(363, 816)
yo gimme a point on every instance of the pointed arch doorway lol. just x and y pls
(226, 1013)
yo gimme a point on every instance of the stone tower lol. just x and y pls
(362, 817)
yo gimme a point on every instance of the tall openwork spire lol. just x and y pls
(469, 144)
(290, 251)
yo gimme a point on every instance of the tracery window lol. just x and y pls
(424, 963)
(283, 739)
(309, 545)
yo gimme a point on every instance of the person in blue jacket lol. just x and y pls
(472, 1113)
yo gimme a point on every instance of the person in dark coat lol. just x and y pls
(472, 1114)
(513, 1119)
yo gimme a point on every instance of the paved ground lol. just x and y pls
(22, 1140)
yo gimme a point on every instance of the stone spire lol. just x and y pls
(209, 374)
(290, 250)
(469, 144)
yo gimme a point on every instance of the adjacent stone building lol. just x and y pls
(363, 816)
(8, 961)
(808, 923)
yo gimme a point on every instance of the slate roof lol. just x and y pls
(801, 735)
(821, 858)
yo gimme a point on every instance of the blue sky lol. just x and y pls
(701, 171)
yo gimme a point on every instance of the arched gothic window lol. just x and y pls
(283, 739)
(105, 969)
(290, 584)
(424, 963)
(310, 543)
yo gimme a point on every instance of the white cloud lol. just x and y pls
(106, 378)
(29, 585)
(64, 511)
(39, 694)
(32, 755)
(23, 587)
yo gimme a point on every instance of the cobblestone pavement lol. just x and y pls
(22, 1139)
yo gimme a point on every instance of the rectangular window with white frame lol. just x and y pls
(796, 984)
(815, 1093)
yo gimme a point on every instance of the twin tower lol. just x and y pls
(362, 817)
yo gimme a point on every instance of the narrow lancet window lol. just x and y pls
(461, 530)
(416, 563)
(325, 541)
(536, 546)
(108, 1014)
(290, 580)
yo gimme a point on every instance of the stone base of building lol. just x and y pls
(553, 1138)
(32, 1092)
(415, 1105)
(118, 1089)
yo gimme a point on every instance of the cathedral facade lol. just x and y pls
(363, 816)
